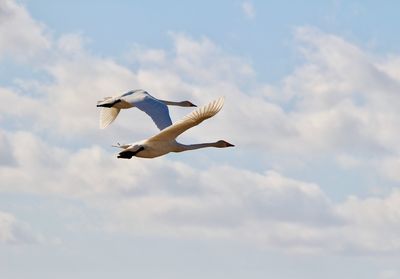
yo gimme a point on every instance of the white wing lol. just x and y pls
(189, 121)
(157, 110)
(107, 115)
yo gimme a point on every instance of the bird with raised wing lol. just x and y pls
(165, 141)
(155, 108)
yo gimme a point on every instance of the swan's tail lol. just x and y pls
(107, 116)
(122, 146)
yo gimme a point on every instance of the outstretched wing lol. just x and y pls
(189, 121)
(157, 110)
(108, 115)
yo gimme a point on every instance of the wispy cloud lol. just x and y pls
(248, 9)
(13, 231)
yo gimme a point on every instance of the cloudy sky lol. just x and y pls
(311, 189)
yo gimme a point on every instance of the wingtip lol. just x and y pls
(103, 125)
(220, 100)
(219, 103)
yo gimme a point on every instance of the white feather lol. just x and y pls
(108, 115)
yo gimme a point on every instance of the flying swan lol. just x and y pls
(155, 108)
(165, 141)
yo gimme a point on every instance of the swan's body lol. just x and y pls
(155, 108)
(165, 141)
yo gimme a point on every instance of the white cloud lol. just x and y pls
(201, 61)
(339, 101)
(389, 167)
(268, 208)
(248, 9)
(6, 156)
(27, 106)
(372, 223)
(13, 231)
(215, 201)
(146, 56)
(348, 162)
(71, 44)
(21, 36)
(389, 274)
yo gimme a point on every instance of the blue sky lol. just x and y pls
(311, 189)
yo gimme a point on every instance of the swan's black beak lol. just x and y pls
(229, 144)
(193, 105)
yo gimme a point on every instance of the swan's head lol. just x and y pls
(222, 144)
(187, 104)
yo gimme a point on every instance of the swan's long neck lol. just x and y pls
(170, 103)
(185, 147)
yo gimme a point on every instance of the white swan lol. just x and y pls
(155, 108)
(164, 142)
